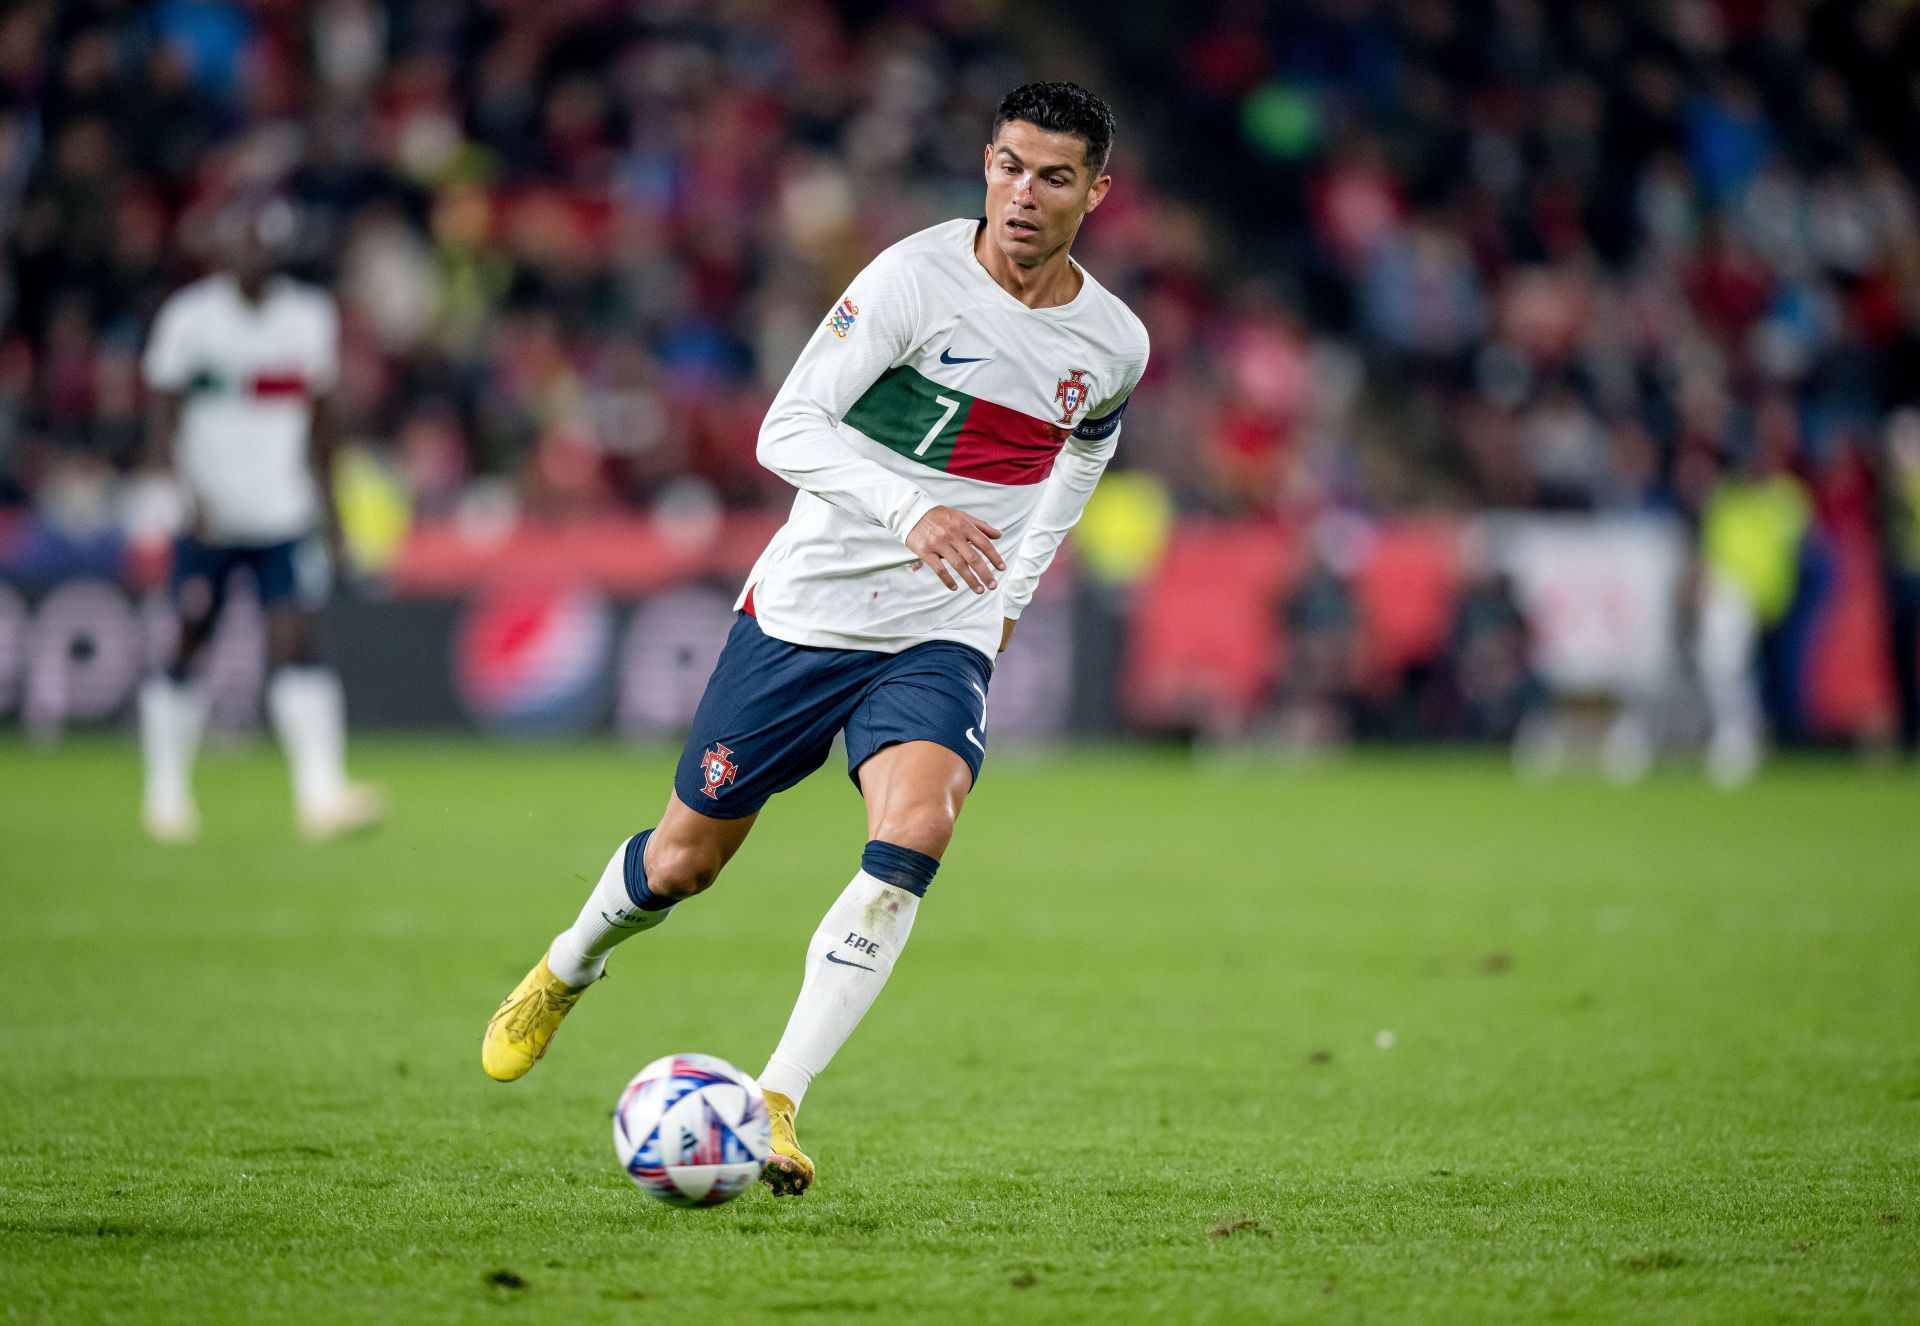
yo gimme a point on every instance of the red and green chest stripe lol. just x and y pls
(956, 433)
(264, 384)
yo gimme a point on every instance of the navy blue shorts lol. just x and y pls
(294, 571)
(771, 710)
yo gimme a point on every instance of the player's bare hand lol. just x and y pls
(956, 544)
(1006, 633)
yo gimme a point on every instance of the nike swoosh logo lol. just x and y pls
(946, 357)
(831, 957)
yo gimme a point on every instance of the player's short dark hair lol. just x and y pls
(1061, 108)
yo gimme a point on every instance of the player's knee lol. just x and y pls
(290, 639)
(682, 869)
(187, 647)
(924, 828)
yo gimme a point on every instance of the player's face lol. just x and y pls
(249, 259)
(1039, 188)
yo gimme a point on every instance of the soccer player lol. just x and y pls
(238, 370)
(945, 426)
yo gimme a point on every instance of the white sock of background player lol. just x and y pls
(171, 716)
(848, 962)
(308, 708)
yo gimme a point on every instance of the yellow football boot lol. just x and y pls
(523, 1026)
(789, 1170)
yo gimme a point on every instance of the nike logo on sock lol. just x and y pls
(947, 357)
(834, 957)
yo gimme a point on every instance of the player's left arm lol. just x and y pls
(324, 433)
(166, 368)
(323, 451)
(1076, 472)
(163, 423)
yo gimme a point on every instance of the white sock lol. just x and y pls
(848, 961)
(171, 715)
(578, 954)
(309, 712)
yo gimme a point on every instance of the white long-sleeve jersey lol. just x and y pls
(929, 385)
(249, 375)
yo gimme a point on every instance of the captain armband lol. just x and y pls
(1093, 430)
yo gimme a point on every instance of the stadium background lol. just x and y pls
(1646, 276)
(1486, 335)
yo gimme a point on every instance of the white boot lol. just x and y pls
(309, 714)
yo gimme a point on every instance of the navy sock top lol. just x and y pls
(901, 867)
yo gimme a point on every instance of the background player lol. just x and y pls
(964, 394)
(239, 371)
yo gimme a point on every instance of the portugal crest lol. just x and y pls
(717, 770)
(1072, 394)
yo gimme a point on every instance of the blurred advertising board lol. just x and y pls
(1602, 597)
(1208, 640)
(610, 626)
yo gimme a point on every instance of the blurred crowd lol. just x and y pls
(1394, 254)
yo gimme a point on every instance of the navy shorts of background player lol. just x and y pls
(771, 709)
(293, 571)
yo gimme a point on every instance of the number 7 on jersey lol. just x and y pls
(945, 414)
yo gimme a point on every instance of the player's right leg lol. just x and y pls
(305, 700)
(649, 873)
(172, 713)
(766, 720)
(914, 746)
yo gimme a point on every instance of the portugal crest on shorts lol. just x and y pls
(716, 770)
(1071, 393)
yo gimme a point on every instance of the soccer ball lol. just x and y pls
(692, 1130)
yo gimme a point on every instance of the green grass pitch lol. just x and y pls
(1654, 1053)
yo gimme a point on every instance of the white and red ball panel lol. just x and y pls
(692, 1130)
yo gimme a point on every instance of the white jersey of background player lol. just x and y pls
(239, 370)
